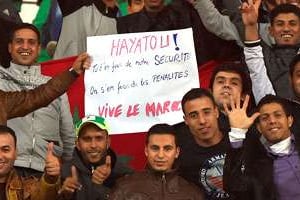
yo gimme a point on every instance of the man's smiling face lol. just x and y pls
(25, 47)
(286, 29)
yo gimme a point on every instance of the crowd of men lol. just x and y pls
(238, 140)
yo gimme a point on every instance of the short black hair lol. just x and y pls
(7, 130)
(284, 9)
(293, 64)
(161, 129)
(24, 26)
(270, 98)
(196, 93)
(234, 67)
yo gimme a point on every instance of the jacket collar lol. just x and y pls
(170, 178)
(26, 76)
(87, 168)
(107, 11)
(160, 174)
(296, 47)
(284, 147)
(33, 70)
(14, 181)
(79, 163)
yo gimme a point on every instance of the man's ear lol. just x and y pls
(146, 151)
(76, 144)
(9, 48)
(217, 111)
(184, 118)
(177, 152)
(16, 154)
(271, 30)
(108, 143)
(40, 49)
(243, 96)
(290, 120)
(258, 127)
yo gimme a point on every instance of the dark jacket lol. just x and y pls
(18, 104)
(203, 166)
(9, 18)
(277, 60)
(248, 171)
(177, 15)
(155, 185)
(90, 190)
(70, 6)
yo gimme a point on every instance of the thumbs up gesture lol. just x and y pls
(71, 184)
(52, 165)
(101, 173)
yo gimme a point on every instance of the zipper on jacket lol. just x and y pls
(163, 179)
(33, 141)
(163, 185)
(243, 168)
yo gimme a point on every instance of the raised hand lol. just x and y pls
(238, 115)
(82, 62)
(71, 184)
(101, 173)
(52, 164)
(249, 12)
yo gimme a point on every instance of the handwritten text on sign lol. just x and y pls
(138, 79)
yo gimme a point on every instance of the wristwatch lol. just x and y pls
(73, 72)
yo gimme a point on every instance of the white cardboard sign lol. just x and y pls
(139, 79)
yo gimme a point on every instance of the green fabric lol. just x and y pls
(123, 7)
(39, 21)
(167, 2)
(44, 56)
(42, 14)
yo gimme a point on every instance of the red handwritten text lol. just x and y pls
(155, 109)
(133, 110)
(110, 111)
(138, 45)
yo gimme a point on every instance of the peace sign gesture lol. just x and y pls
(249, 12)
